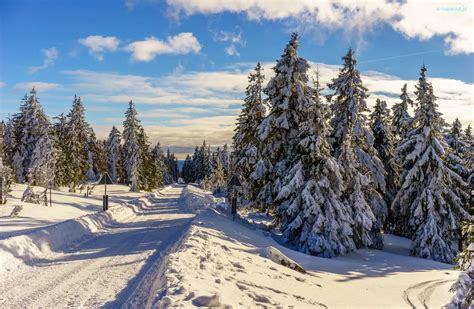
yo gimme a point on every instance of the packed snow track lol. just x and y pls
(106, 269)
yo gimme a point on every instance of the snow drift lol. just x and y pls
(51, 241)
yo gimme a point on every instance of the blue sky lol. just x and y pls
(185, 62)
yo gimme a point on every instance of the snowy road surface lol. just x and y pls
(105, 269)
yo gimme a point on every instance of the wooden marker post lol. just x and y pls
(234, 183)
(104, 180)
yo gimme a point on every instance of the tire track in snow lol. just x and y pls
(54, 280)
(425, 295)
(422, 291)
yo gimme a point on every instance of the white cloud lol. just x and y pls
(50, 55)
(423, 19)
(98, 45)
(232, 51)
(147, 50)
(39, 86)
(452, 20)
(233, 37)
(2, 84)
(229, 36)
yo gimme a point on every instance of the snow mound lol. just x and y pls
(51, 241)
(195, 199)
(278, 257)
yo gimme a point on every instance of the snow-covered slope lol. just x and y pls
(66, 205)
(224, 262)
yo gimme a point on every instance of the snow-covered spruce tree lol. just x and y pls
(169, 166)
(92, 152)
(431, 196)
(186, 173)
(469, 157)
(384, 144)
(459, 149)
(159, 159)
(113, 153)
(59, 136)
(352, 143)
(9, 143)
(246, 143)
(216, 181)
(207, 160)
(173, 166)
(401, 119)
(131, 131)
(278, 131)
(313, 216)
(225, 159)
(148, 170)
(202, 162)
(30, 125)
(43, 162)
(77, 131)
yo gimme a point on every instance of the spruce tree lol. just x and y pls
(148, 171)
(278, 131)
(401, 119)
(469, 157)
(186, 173)
(352, 144)
(131, 131)
(246, 143)
(314, 218)
(225, 159)
(77, 137)
(160, 164)
(43, 162)
(9, 143)
(113, 154)
(59, 136)
(30, 128)
(431, 196)
(455, 140)
(91, 153)
(384, 144)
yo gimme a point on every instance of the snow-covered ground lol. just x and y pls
(223, 262)
(66, 206)
(155, 252)
(95, 260)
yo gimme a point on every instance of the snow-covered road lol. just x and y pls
(106, 269)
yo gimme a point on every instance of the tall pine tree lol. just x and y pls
(384, 144)
(131, 144)
(313, 216)
(401, 119)
(77, 138)
(352, 144)
(246, 144)
(31, 128)
(278, 131)
(430, 200)
(113, 154)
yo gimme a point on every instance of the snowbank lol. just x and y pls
(48, 242)
(195, 199)
(221, 262)
(66, 206)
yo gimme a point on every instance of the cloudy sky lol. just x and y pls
(185, 62)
